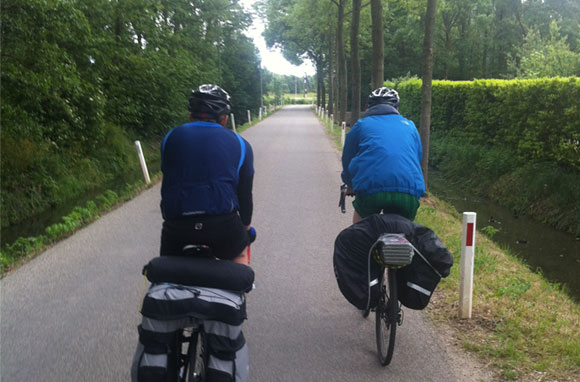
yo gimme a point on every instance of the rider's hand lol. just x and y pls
(349, 191)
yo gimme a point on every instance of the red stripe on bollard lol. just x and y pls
(469, 238)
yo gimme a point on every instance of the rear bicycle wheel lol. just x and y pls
(387, 317)
(195, 358)
(198, 359)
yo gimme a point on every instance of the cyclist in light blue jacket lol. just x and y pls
(381, 160)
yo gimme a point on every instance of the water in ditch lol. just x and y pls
(556, 254)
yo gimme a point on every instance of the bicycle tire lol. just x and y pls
(386, 320)
(193, 369)
(198, 359)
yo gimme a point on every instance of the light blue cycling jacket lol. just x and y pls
(382, 153)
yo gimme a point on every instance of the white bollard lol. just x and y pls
(343, 133)
(326, 117)
(249, 118)
(142, 161)
(260, 115)
(233, 122)
(466, 270)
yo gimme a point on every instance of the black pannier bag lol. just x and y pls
(416, 282)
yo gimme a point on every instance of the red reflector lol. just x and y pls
(469, 238)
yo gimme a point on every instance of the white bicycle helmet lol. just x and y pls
(384, 95)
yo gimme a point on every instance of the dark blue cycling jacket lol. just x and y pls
(207, 170)
(382, 153)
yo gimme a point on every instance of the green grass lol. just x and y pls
(332, 130)
(520, 323)
(26, 248)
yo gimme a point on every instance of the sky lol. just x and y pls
(272, 59)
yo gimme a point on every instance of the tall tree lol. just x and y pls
(341, 61)
(355, 62)
(425, 124)
(378, 64)
(331, 87)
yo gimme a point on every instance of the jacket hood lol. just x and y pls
(380, 109)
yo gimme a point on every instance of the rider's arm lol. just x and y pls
(349, 151)
(245, 184)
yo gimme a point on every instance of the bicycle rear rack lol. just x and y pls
(393, 250)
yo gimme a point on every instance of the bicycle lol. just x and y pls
(391, 252)
(188, 298)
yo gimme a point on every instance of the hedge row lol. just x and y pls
(538, 119)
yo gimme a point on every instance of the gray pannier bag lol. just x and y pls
(168, 308)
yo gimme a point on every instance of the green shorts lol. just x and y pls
(399, 203)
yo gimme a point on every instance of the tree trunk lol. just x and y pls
(341, 63)
(378, 64)
(426, 87)
(355, 62)
(318, 89)
(329, 107)
(319, 82)
(323, 91)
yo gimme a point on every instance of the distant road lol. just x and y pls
(71, 314)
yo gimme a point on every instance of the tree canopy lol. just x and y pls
(80, 78)
(473, 39)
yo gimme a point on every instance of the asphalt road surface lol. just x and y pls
(72, 313)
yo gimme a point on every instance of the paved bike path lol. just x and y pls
(300, 327)
(71, 313)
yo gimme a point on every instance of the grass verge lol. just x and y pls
(26, 248)
(525, 327)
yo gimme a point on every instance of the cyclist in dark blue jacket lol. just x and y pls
(208, 170)
(381, 159)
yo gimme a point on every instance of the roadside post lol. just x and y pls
(142, 161)
(343, 133)
(466, 271)
(233, 122)
(249, 118)
(260, 115)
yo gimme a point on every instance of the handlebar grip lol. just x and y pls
(252, 234)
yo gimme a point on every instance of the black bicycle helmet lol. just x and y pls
(209, 101)
(384, 95)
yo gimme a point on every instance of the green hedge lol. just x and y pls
(538, 119)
